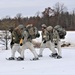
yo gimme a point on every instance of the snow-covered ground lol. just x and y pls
(45, 65)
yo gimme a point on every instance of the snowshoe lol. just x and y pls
(10, 58)
(53, 55)
(40, 56)
(59, 57)
(20, 59)
(34, 59)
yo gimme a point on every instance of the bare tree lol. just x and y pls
(19, 17)
(46, 15)
(58, 9)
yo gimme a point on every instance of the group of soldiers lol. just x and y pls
(21, 39)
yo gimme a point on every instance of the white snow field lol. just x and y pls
(45, 65)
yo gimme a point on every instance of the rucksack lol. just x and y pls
(32, 31)
(61, 31)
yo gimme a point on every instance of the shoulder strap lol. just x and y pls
(50, 35)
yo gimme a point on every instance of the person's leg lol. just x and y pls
(13, 51)
(41, 49)
(59, 49)
(21, 51)
(32, 49)
(52, 48)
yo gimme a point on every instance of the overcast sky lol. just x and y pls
(29, 7)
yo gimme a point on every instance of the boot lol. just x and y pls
(40, 56)
(53, 55)
(58, 57)
(20, 59)
(11, 58)
(35, 59)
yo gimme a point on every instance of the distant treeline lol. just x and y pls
(56, 16)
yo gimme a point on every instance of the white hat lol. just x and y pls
(57, 26)
(43, 25)
(21, 26)
(29, 25)
(49, 28)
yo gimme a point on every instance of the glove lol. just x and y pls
(44, 41)
(61, 36)
(55, 43)
(29, 36)
(38, 35)
(21, 44)
(11, 43)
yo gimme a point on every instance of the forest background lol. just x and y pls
(58, 15)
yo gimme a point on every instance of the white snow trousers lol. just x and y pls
(49, 45)
(16, 47)
(58, 46)
(28, 45)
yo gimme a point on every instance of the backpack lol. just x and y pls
(32, 31)
(61, 31)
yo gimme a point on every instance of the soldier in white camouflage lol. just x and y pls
(47, 41)
(28, 35)
(57, 42)
(16, 36)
